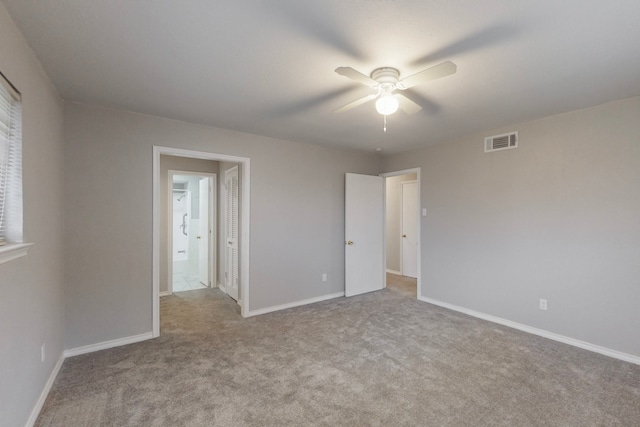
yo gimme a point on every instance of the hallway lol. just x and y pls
(402, 284)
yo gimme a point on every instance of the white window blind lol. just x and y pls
(10, 163)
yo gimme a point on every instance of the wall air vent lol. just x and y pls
(501, 142)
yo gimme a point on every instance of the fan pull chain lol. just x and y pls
(385, 124)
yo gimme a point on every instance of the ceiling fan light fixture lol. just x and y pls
(387, 104)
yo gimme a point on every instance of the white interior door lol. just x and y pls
(231, 232)
(410, 229)
(203, 232)
(364, 234)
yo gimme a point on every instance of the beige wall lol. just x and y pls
(31, 305)
(297, 216)
(168, 163)
(556, 218)
(393, 185)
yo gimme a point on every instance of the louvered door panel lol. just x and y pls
(232, 232)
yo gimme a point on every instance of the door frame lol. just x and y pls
(213, 220)
(419, 266)
(412, 181)
(245, 220)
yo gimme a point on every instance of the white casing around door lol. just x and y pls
(364, 234)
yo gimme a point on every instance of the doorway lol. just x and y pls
(402, 229)
(159, 191)
(192, 236)
(366, 239)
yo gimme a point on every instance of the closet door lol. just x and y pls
(231, 232)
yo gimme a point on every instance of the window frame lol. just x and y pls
(12, 247)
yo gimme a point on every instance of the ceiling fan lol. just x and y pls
(386, 83)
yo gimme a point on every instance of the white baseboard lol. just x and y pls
(396, 272)
(540, 332)
(75, 352)
(165, 293)
(107, 344)
(222, 287)
(293, 304)
(45, 392)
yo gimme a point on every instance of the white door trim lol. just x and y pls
(419, 266)
(212, 225)
(245, 172)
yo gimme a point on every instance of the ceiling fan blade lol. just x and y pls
(311, 103)
(308, 19)
(356, 76)
(428, 106)
(472, 42)
(435, 72)
(407, 105)
(356, 103)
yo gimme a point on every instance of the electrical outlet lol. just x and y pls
(42, 352)
(324, 277)
(543, 304)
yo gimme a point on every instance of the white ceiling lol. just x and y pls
(267, 67)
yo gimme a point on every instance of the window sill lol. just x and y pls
(12, 251)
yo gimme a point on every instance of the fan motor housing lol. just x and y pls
(385, 75)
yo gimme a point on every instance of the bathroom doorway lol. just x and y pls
(192, 236)
(177, 159)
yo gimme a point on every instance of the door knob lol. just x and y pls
(404, 235)
(349, 242)
(198, 237)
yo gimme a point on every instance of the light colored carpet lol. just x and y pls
(403, 285)
(380, 359)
